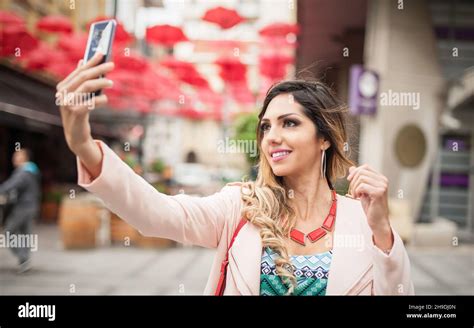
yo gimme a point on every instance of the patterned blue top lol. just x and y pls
(311, 273)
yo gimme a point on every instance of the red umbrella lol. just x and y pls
(73, 45)
(166, 35)
(133, 62)
(46, 58)
(147, 85)
(213, 101)
(61, 68)
(196, 80)
(164, 86)
(126, 82)
(191, 113)
(42, 56)
(55, 24)
(121, 35)
(241, 92)
(279, 30)
(274, 66)
(16, 41)
(278, 42)
(9, 18)
(185, 72)
(224, 17)
(129, 91)
(231, 69)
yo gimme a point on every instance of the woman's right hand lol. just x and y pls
(76, 99)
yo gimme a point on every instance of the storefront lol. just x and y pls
(421, 49)
(29, 118)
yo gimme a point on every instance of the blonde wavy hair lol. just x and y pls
(266, 201)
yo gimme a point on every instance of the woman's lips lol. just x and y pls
(280, 157)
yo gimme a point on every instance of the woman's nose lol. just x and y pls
(273, 136)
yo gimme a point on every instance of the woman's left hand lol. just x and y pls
(371, 187)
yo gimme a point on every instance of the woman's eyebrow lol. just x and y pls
(281, 116)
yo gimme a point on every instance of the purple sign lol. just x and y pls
(455, 144)
(456, 180)
(363, 91)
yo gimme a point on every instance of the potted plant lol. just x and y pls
(50, 206)
(157, 166)
(245, 127)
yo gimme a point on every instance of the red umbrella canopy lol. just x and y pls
(274, 66)
(121, 35)
(241, 93)
(147, 86)
(279, 30)
(74, 45)
(129, 91)
(16, 41)
(185, 72)
(231, 69)
(168, 88)
(126, 82)
(8, 18)
(213, 102)
(133, 62)
(166, 35)
(43, 56)
(55, 24)
(192, 113)
(61, 68)
(224, 17)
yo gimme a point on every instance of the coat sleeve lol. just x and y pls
(183, 218)
(16, 182)
(392, 272)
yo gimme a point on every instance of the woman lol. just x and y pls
(300, 237)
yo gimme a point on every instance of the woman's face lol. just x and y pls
(289, 140)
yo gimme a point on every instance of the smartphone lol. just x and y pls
(101, 37)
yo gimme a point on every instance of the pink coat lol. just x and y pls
(358, 267)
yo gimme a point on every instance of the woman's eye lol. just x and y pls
(264, 127)
(290, 123)
(287, 123)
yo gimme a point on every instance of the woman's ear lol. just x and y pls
(325, 144)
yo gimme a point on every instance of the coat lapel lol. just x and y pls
(244, 260)
(350, 258)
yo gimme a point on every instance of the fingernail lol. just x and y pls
(110, 82)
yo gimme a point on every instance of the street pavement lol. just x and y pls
(183, 270)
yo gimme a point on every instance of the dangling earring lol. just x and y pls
(323, 164)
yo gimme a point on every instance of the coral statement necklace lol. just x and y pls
(320, 232)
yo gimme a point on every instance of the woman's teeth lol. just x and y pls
(280, 153)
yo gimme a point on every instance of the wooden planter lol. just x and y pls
(79, 223)
(121, 230)
(154, 242)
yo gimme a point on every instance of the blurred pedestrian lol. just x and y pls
(22, 189)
